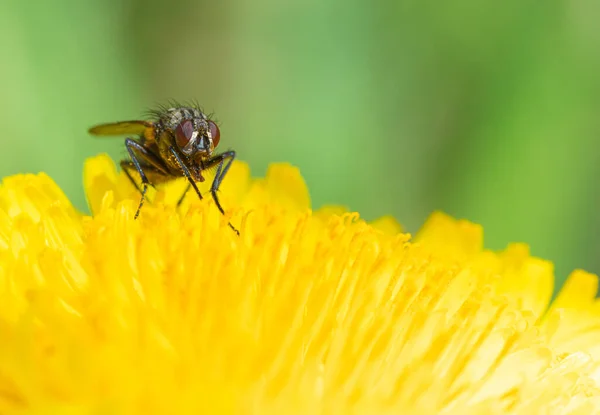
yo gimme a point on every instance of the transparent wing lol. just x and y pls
(121, 128)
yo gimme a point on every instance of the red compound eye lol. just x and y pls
(183, 133)
(215, 133)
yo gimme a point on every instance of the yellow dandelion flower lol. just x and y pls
(304, 313)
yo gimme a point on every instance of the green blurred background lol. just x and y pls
(486, 110)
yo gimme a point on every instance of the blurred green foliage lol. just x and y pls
(486, 110)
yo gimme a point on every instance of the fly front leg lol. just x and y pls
(186, 172)
(223, 162)
(222, 168)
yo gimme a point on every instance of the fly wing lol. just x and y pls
(121, 128)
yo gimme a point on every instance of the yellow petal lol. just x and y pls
(284, 185)
(573, 321)
(527, 279)
(451, 237)
(387, 224)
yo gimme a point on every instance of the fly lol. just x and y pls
(177, 142)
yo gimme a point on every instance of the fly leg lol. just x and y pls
(187, 189)
(223, 162)
(126, 166)
(142, 158)
(217, 160)
(186, 171)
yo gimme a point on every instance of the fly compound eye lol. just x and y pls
(215, 133)
(184, 133)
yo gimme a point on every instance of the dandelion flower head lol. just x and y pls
(306, 312)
